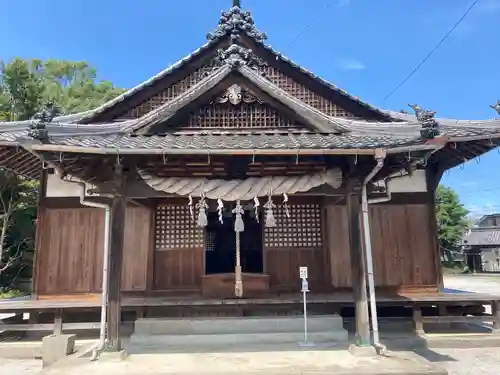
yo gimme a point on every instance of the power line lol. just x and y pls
(310, 24)
(432, 51)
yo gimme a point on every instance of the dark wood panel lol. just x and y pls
(403, 245)
(70, 253)
(71, 244)
(282, 266)
(179, 269)
(337, 245)
(137, 246)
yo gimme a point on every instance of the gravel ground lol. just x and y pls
(481, 361)
(20, 367)
(467, 361)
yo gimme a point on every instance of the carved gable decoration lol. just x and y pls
(235, 94)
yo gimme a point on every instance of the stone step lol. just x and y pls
(237, 325)
(224, 341)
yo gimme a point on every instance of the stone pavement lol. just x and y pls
(480, 283)
(295, 362)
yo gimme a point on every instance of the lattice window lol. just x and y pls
(303, 93)
(243, 115)
(302, 229)
(209, 241)
(170, 92)
(175, 229)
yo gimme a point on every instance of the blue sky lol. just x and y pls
(364, 46)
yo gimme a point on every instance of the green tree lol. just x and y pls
(451, 218)
(25, 87)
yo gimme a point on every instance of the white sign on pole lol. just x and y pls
(305, 290)
(305, 286)
(303, 272)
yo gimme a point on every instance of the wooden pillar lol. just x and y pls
(58, 322)
(495, 309)
(418, 324)
(115, 262)
(433, 176)
(358, 270)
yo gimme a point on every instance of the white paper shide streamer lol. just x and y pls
(239, 225)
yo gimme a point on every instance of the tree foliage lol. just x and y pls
(451, 217)
(25, 87)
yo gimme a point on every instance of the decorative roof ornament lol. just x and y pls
(37, 129)
(236, 55)
(496, 106)
(430, 127)
(235, 22)
(235, 94)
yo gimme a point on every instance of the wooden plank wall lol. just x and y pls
(70, 250)
(297, 241)
(403, 245)
(69, 255)
(70, 247)
(137, 251)
(179, 251)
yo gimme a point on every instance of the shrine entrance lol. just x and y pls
(220, 244)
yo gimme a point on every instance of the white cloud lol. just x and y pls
(349, 63)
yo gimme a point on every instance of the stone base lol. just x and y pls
(293, 362)
(221, 333)
(362, 351)
(113, 356)
(57, 347)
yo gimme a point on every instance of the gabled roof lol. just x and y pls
(485, 217)
(315, 119)
(483, 237)
(232, 25)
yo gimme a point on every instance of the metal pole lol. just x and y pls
(305, 316)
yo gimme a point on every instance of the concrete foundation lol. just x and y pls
(362, 351)
(296, 362)
(57, 347)
(221, 333)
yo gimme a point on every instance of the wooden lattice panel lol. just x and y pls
(303, 93)
(174, 228)
(170, 92)
(301, 230)
(243, 115)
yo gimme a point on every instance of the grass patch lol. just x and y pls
(11, 293)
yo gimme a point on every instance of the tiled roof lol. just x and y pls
(483, 237)
(238, 141)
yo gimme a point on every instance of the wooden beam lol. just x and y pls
(115, 262)
(433, 175)
(358, 269)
